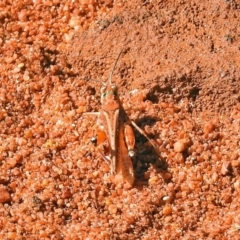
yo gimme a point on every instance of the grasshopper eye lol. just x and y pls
(103, 91)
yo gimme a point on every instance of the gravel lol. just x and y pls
(178, 79)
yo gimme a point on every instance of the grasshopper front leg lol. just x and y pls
(100, 135)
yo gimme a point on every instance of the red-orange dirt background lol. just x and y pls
(178, 78)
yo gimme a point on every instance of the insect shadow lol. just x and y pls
(146, 154)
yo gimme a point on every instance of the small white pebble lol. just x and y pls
(21, 65)
(165, 198)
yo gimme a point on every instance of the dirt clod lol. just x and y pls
(4, 195)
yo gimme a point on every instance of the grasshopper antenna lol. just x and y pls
(111, 73)
(95, 80)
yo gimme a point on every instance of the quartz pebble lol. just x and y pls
(225, 168)
(180, 146)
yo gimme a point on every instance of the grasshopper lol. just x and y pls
(116, 126)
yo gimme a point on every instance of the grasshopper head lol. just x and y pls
(109, 93)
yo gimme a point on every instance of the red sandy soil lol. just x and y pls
(178, 79)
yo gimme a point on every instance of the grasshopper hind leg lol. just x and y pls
(129, 140)
(126, 143)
